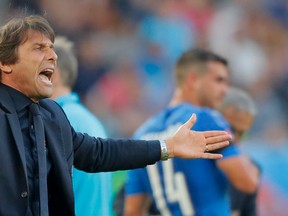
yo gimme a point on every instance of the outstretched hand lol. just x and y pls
(189, 144)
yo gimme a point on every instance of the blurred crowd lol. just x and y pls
(127, 49)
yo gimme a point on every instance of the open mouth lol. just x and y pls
(46, 75)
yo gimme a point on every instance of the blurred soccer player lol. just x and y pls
(191, 187)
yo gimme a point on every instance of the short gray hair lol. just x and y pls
(67, 61)
(240, 100)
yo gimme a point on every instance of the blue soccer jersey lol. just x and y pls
(178, 186)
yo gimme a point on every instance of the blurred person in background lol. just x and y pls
(239, 109)
(93, 192)
(191, 187)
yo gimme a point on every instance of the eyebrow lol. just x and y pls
(44, 45)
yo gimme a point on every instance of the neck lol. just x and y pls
(60, 91)
(181, 96)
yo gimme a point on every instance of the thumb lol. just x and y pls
(189, 124)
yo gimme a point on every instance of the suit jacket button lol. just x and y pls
(24, 194)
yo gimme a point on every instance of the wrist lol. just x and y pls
(164, 150)
(170, 147)
(167, 150)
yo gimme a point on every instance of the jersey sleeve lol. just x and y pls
(135, 182)
(213, 120)
(229, 151)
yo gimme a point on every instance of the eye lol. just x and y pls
(38, 48)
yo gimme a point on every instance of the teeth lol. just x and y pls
(48, 70)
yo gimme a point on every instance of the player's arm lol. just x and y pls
(137, 205)
(241, 172)
(136, 197)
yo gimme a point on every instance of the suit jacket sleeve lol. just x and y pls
(96, 154)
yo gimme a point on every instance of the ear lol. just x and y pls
(191, 80)
(5, 68)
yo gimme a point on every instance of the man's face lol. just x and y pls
(213, 85)
(32, 73)
(239, 121)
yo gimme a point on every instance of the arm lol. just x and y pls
(136, 193)
(137, 205)
(96, 154)
(241, 172)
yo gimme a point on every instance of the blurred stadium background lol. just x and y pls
(127, 49)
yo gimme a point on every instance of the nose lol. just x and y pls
(53, 56)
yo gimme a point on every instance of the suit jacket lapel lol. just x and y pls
(16, 131)
(7, 105)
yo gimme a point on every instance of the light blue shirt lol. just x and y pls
(93, 192)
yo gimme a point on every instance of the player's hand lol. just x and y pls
(189, 144)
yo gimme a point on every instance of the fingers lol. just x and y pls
(214, 133)
(219, 138)
(211, 156)
(189, 124)
(215, 146)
